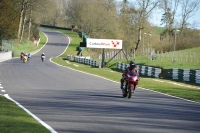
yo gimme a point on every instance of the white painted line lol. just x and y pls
(177, 84)
(170, 95)
(35, 117)
(3, 90)
(1, 86)
(68, 62)
(158, 80)
(75, 65)
(84, 72)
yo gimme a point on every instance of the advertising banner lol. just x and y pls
(104, 43)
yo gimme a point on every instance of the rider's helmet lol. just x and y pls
(132, 64)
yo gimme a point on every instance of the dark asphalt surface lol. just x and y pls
(74, 102)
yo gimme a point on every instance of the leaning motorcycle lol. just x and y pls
(42, 58)
(131, 82)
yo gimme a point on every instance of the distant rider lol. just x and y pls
(131, 68)
(29, 55)
(42, 55)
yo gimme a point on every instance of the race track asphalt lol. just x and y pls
(74, 102)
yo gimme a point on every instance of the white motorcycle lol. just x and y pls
(42, 58)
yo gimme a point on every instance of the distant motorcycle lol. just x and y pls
(131, 82)
(42, 58)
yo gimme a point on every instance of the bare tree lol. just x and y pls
(24, 20)
(30, 10)
(139, 13)
(94, 17)
(127, 20)
(73, 11)
(30, 20)
(171, 16)
(168, 17)
(188, 9)
(22, 15)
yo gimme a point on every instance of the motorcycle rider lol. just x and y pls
(29, 55)
(42, 55)
(22, 55)
(131, 68)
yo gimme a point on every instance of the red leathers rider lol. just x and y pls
(132, 67)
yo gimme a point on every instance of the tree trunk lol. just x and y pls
(22, 32)
(30, 23)
(21, 19)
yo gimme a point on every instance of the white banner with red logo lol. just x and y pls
(104, 43)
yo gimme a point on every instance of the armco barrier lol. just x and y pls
(197, 79)
(83, 60)
(187, 75)
(184, 75)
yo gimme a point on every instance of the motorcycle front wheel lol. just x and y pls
(129, 91)
(124, 94)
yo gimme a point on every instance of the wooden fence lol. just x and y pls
(178, 56)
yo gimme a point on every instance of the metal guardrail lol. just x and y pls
(83, 60)
(187, 75)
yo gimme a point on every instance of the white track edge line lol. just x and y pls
(35, 117)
